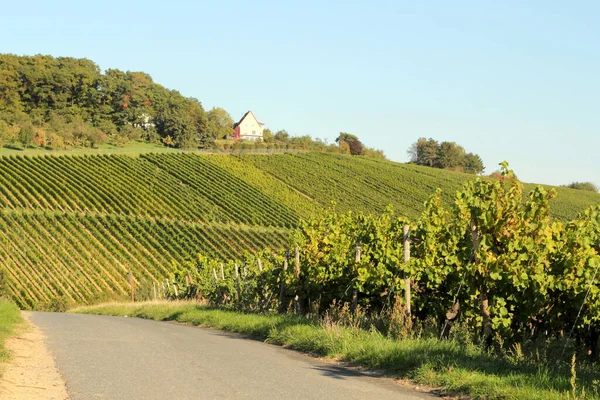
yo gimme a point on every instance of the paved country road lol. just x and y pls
(127, 358)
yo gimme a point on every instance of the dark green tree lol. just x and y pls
(425, 152)
(473, 164)
(26, 135)
(282, 136)
(451, 156)
(268, 136)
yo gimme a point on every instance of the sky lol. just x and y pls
(508, 80)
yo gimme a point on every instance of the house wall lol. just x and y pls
(250, 129)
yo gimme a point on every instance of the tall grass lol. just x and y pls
(10, 318)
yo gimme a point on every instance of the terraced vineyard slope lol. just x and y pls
(73, 226)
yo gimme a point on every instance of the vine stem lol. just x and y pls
(579, 312)
(453, 304)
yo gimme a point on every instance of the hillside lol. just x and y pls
(66, 103)
(73, 226)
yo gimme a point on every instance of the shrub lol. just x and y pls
(588, 186)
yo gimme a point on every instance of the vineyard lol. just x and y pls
(72, 227)
(494, 261)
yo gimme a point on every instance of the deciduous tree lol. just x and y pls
(219, 123)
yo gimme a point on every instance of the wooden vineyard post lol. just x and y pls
(222, 272)
(154, 288)
(245, 270)
(217, 284)
(262, 283)
(281, 305)
(131, 286)
(297, 299)
(407, 299)
(237, 283)
(297, 264)
(355, 291)
(175, 288)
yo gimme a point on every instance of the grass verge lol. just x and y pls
(10, 319)
(457, 368)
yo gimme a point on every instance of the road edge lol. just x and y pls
(31, 373)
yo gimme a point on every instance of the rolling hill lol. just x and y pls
(73, 226)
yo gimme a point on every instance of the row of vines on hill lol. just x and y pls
(370, 185)
(493, 260)
(245, 203)
(47, 255)
(179, 187)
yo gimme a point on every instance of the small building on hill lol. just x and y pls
(249, 128)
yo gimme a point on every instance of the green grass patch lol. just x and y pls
(10, 319)
(456, 368)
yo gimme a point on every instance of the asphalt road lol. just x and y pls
(128, 358)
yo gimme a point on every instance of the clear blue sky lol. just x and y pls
(514, 80)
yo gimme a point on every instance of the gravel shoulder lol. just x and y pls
(31, 374)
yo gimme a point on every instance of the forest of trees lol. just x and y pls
(65, 102)
(446, 155)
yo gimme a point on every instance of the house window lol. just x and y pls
(254, 132)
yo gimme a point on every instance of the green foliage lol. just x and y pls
(220, 123)
(3, 282)
(473, 164)
(350, 144)
(26, 135)
(268, 136)
(282, 136)
(47, 90)
(520, 272)
(588, 186)
(5, 133)
(82, 257)
(10, 319)
(88, 219)
(446, 155)
(424, 152)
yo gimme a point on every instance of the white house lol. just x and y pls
(144, 122)
(249, 128)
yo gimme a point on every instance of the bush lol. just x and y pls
(55, 141)
(588, 186)
(26, 135)
(118, 140)
(57, 304)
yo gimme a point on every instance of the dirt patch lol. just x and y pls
(31, 374)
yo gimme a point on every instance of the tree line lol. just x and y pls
(446, 155)
(66, 102)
